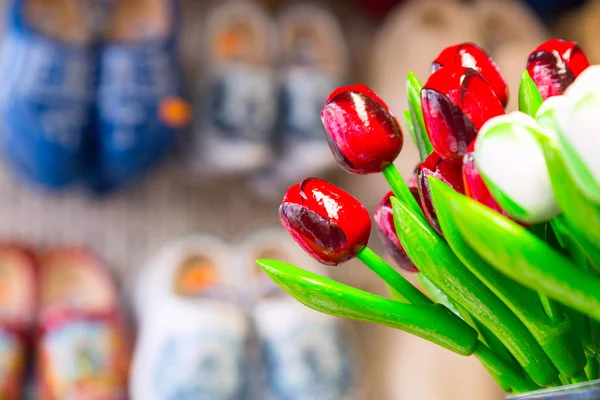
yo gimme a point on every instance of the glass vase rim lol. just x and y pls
(550, 393)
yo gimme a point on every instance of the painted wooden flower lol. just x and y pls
(362, 132)
(327, 222)
(384, 221)
(446, 171)
(514, 169)
(456, 102)
(469, 55)
(578, 119)
(554, 65)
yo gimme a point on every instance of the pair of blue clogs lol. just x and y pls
(83, 113)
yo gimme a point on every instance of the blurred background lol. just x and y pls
(127, 124)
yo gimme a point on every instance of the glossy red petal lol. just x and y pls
(448, 172)
(456, 102)
(384, 221)
(469, 55)
(474, 185)
(359, 88)
(364, 136)
(554, 65)
(327, 222)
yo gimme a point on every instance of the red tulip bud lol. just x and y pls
(456, 102)
(384, 220)
(328, 223)
(446, 171)
(362, 132)
(554, 65)
(469, 55)
(474, 185)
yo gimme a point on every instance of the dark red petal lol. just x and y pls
(474, 185)
(323, 239)
(554, 65)
(449, 173)
(327, 222)
(363, 134)
(469, 55)
(384, 221)
(570, 52)
(456, 103)
(549, 73)
(414, 188)
(449, 129)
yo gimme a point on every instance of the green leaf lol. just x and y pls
(413, 88)
(586, 329)
(413, 134)
(434, 258)
(582, 252)
(485, 335)
(583, 214)
(495, 358)
(504, 374)
(433, 322)
(558, 339)
(521, 256)
(530, 98)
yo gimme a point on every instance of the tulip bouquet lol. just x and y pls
(501, 221)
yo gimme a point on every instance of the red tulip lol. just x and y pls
(362, 132)
(469, 55)
(474, 185)
(456, 102)
(384, 221)
(554, 65)
(446, 171)
(328, 223)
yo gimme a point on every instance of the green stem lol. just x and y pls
(587, 329)
(524, 258)
(505, 375)
(579, 378)
(485, 335)
(551, 308)
(556, 383)
(580, 250)
(400, 188)
(591, 369)
(390, 276)
(564, 380)
(431, 322)
(556, 337)
(434, 258)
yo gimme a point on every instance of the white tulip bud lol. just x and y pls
(513, 167)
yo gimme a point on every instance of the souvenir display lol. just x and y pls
(510, 266)
(146, 144)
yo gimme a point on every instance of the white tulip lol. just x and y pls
(512, 164)
(579, 132)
